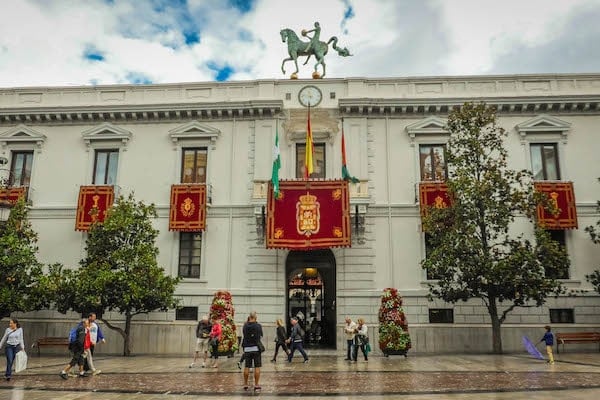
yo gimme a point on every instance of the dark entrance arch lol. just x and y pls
(311, 295)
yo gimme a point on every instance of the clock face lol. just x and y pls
(310, 96)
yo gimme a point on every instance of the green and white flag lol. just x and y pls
(276, 163)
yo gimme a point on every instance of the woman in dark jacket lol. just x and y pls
(280, 340)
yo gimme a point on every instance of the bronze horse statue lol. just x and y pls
(297, 47)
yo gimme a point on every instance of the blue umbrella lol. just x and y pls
(531, 349)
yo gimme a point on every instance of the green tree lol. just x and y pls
(474, 252)
(21, 287)
(594, 231)
(120, 272)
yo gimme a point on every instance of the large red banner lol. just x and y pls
(433, 194)
(309, 215)
(11, 195)
(188, 208)
(562, 195)
(92, 205)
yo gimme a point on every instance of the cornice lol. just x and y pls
(579, 104)
(148, 112)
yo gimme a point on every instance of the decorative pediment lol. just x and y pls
(106, 132)
(22, 134)
(324, 126)
(544, 124)
(429, 126)
(196, 131)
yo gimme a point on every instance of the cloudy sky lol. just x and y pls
(94, 42)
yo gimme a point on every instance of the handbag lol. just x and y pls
(20, 361)
(261, 346)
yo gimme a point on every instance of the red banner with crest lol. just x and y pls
(563, 197)
(433, 194)
(188, 208)
(12, 194)
(92, 205)
(309, 215)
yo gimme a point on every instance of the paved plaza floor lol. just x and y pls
(326, 375)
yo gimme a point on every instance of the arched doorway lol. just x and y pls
(311, 295)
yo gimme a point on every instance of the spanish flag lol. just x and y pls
(308, 158)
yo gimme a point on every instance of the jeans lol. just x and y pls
(297, 346)
(10, 352)
(349, 343)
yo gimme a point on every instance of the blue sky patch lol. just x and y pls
(91, 53)
(222, 72)
(244, 6)
(137, 78)
(348, 14)
(191, 37)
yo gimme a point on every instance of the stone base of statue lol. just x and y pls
(316, 75)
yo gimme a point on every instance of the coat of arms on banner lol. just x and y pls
(308, 215)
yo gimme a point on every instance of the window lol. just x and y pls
(193, 165)
(441, 316)
(20, 168)
(105, 167)
(186, 314)
(190, 250)
(432, 162)
(562, 316)
(560, 237)
(318, 160)
(544, 161)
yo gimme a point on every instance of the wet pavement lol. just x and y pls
(422, 377)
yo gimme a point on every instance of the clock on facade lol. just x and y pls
(310, 96)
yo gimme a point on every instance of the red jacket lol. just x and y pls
(216, 331)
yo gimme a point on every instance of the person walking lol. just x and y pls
(295, 340)
(253, 333)
(549, 339)
(96, 336)
(349, 331)
(202, 337)
(361, 339)
(87, 348)
(215, 339)
(13, 338)
(76, 348)
(281, 336)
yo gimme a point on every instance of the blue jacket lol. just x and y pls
(548, 338)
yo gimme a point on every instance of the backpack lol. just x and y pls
(73, 335)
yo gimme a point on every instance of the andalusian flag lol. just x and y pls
(308, 158)
(276, 163)
(345, 174)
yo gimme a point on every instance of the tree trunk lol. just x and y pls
(126, 341)
(496, 324)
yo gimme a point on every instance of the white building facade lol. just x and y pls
(145, 138)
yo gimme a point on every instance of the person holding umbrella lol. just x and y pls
(549, 339)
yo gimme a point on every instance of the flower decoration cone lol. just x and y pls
(393, 327)
(222, 310)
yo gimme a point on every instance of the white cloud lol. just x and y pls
(42, 43)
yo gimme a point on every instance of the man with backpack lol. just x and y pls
(296, 340)
(76, 340)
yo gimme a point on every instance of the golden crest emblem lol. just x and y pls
(336, 194)
(308, 215)
(187, 208)
(337, 232)
(554, 201)
(439, 202)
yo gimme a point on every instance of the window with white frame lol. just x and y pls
(432, 162)
(193, 165)
(190, 252)
(20, 168)
(544, 161)
(106, 162)
(319, 160)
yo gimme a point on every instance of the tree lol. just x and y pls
(474, 253)
(21, 287)
(120, 272)
(594, 231)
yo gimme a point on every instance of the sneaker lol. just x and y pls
(191, 365)
(82, 375)
(203, 365)
(273, 360)
(305, 361)
(64, 375)
(96, 372)
(257, 389)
